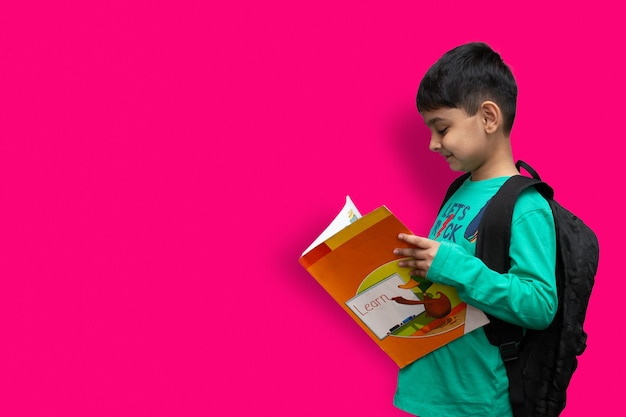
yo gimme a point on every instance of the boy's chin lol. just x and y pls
(456, 166)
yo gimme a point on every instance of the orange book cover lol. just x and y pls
(408, 317)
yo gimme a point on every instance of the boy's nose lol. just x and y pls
(434, 145)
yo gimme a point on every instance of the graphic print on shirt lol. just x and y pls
(471, 233)
(451, 222)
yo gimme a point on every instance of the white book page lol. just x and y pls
(377, 309)
(348, 214)
(474, 318)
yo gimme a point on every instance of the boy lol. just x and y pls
(467, 99)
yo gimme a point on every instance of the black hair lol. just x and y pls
(466, 76)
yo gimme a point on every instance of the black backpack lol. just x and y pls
(539, 364)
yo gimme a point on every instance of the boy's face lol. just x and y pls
(459, 138)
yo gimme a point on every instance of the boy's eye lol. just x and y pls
(442, 131)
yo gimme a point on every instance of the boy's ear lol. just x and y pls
(491, 116)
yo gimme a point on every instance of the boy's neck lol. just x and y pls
(499, 164)
(494, 171)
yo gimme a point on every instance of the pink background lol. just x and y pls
(163, 165)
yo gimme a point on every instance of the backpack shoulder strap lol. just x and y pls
(492, 246)
(494, 233)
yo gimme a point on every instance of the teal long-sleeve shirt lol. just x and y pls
(467, 377)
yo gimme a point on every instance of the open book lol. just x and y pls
(406, 316)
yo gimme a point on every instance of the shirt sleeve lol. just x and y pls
(527, 294)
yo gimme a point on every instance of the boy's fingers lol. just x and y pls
(422, 247)
(413, 240)
(410, 252)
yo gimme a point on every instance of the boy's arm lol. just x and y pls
(525, 296)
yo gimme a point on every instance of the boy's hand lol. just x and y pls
(423, 253)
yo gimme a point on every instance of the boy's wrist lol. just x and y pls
(435, 272)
